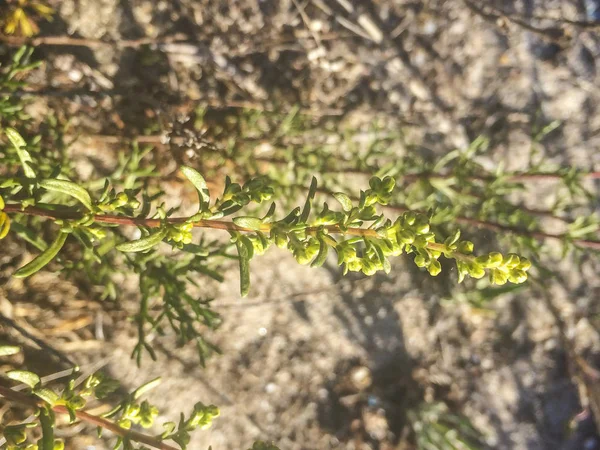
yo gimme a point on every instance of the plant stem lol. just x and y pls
(158, 140)
(27, 400)
(230, 226)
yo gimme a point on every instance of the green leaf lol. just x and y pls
(199, 183)
(244, 257)
(143, 244)
(7, 350)
(269, 216)
(252, 223)
(22, 376)
(19, 54)
(145, 388)
(46, 442)
(451, 240)
(322, 255)
(68, 188)
(19, 144)
(43, 258)
(309, 199)
(47, 395)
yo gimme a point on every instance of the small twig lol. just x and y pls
(83, 42)
(158, 140)
(554, 34)
(189, 103)
(308, 24)
(26, 400)
(155, 223)
(230, 226)
(587, 24)
(43, 345)
(539, 235)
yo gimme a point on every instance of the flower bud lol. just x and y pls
(368, 267)
(125, 423)
(434, 268)
(465, 247)
(420, 242)
(517, 276)
(422, 228)
(498, 277)
(511, 261)
(120, 200)
(409, 218)
(476, 271)
(420, 261)
(371, 199)
(375, 183)
(405, 237)
(525, 264)
(354, 265)
(495, 259)
(388, 184)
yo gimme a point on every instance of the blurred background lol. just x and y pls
(485, 112)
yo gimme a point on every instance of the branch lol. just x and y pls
(158, 141)
(493, 226)
(27, 400)
(230, 226)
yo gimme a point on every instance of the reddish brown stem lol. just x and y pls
(27, 400)
(157, 140)
(230, 226)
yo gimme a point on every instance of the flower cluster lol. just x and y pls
(111, 201)
(201, 418)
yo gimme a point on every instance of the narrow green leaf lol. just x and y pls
(252, 223)
(249, 246)
(7, 350)
(43, 258)
(48, 395)
(344, 200)
(19, 144)
(22, 376)
(199, 183)
(46, 418)
(322, 255)
(145, 388)
(244, 257)
(143, 244)
(451, 240)
(292, 217)
(269, 216)
(309, 199)
(72, 413)
(19, 54)
(68, 188)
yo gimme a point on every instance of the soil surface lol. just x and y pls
(313, 360)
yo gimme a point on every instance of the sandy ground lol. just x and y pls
(312, 360)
